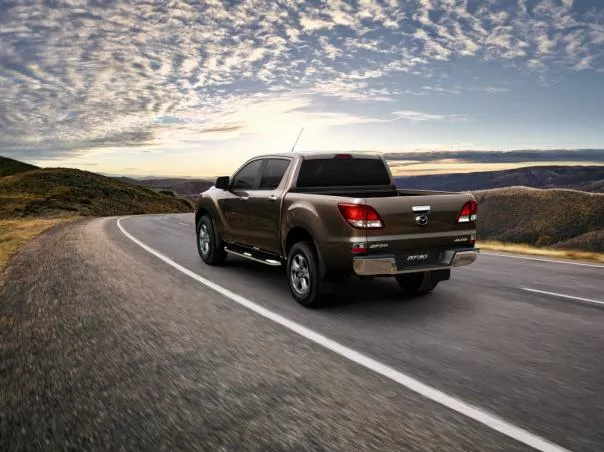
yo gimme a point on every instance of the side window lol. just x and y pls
(273, 173)
(247, 177)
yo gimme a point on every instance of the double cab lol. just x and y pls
(326, 216)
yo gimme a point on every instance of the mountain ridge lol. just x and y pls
(580, 177)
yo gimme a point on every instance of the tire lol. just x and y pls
(209, 244)
(303, 275)
(416, 283)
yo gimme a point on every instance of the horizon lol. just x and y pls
(199, 89)
(431, 163)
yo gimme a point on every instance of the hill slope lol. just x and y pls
(187, 187)
(57, 191)
(556, 217)
(10, 166)
(32, 200)
(585, 178)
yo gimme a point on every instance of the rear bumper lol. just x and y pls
(384, 265)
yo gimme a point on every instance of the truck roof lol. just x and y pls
(308, 155)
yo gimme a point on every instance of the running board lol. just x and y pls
(248, 255)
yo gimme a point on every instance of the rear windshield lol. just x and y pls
(342, 172)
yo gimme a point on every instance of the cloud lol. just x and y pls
(78, 75)
(418, 116)
(272, 115)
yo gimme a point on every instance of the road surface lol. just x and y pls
(111, 338)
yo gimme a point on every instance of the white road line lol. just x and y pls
(513, 256)
(490, 420)
(571, 297)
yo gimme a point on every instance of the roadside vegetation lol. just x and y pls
(16, 233)
(32, 200)
(559, 219)
(543, 252)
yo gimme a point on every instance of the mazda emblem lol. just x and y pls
(422, 220)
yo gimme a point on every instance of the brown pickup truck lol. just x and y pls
(325, 216)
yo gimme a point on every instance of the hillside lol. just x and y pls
(56, 191)
(10, 166)
(585, 178)
(32, 200)
(555, 218)
(185, 187)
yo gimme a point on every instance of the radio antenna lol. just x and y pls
(293, 147)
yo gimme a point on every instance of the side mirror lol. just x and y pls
(222, 183)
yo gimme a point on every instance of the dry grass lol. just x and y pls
(552, 218)
(56, 192)
(32, 200)
(532, 250)
(15, 233)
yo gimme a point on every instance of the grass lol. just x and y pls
(32, 200)
(15, 233)
(53, 192)
(536, 251)
(553, 218)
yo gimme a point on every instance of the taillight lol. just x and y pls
(469, 212)
(361, 216)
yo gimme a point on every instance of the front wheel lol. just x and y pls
(209, 245)
(303, 274)
(416, 283)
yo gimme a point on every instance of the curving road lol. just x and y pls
(118, 336)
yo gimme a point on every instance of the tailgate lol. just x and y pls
(420, 223)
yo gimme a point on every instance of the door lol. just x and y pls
(265, 206)
(234, 204)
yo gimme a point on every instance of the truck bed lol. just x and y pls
(366, 192)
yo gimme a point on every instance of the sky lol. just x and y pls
(196, 88)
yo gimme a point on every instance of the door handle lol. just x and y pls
(272, 198)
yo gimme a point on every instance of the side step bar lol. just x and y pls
(259, 256)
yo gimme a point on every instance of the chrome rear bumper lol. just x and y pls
(386, 265)
(464, 258)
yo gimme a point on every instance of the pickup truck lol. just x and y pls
(326, 216)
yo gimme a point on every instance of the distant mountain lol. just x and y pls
(585, 178)
(555, 218)
(10, 166)
(185, 187)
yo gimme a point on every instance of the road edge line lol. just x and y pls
(483, 417)
(561, 295)
(551, 261)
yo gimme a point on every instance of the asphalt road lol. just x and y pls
(107, 346)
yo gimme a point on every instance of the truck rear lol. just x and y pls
(364, 225)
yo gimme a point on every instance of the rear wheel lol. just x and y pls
(416, 283)
(209, 244)
(303, 275)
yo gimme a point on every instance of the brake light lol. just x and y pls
(343, 156)
(469, 212)
(361, 216)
